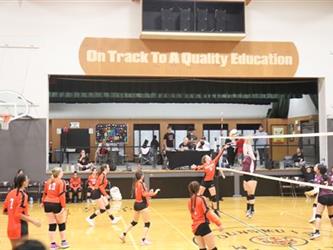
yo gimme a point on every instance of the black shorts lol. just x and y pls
(203, 229)
(96, 194)
(207, 184)
(50, 207)
(326, 200)
(24, 228)
(138, 206)
(249, 178)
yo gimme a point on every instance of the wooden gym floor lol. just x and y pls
(279, 223)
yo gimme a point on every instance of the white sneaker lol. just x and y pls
(145, 242)
(115, 220)
(314, 236)
(249, 213)
(122, 238)
(64, 245)
(90, 221)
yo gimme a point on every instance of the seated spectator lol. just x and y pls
(298, 158)
(102, 152)
(30, 245)
(308, 173)
(83, 162)
(75, 187)
(186, 145)
(92, 179)
(203, 145)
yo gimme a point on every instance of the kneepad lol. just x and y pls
(330, 216)
(213, 198)
(62, 227)
(318, 216)
(102, 211)
(107, 207)
(251, 197)
(314, 205)
(133, 223)
(52, 227)
(147, 224)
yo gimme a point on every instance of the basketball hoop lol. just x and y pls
(5, 119)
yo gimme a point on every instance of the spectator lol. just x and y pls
(230, 152)
(191, 135)
(154, 146)
(75, 187)
(298, 157)
(169, 139)
(19, 172)
(186, 145)
(203, 145)
(102, 152)
(30, 245)
(262, 145)
(83, 162)
(214, 144)
(308, 173)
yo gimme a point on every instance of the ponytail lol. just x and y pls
(193, 189)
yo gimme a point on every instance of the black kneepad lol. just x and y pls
(102, 210)
(215, 248)
(147, 224)
(330, 216)
(107, 207)
(62, 227)
(52, 227)
(251, 197)
(133, 223)
(203, 249)
(318, 216)
(213, 198)
(314, 205)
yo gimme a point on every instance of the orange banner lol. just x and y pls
(135, 57)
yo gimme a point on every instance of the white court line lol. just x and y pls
(172, 225)
(129, 234)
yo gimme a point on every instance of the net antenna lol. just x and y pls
(13, 106)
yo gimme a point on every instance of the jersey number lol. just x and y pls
(11, 203)
(52, 186)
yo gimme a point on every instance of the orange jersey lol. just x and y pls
(209, 168)
(15, 205)
(141, 193)
(75, 182)
(92, 179)
(200, 212)
(55, 191)
(101, 183)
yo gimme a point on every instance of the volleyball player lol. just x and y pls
(54, 202)
(325, 197)
(99, 195)
(209, 168)
(16, 207)
(201, 216)
(92, 179)
(141, 204)
(249, 182)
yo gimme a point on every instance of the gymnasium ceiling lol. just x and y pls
(96, 89)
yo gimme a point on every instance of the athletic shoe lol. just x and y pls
(122, 238)
(115, 220)
(249, 213)
(314, 235)
(145, 242)
(64, 244)
(90, 221)
(53, 246)
(312, 220)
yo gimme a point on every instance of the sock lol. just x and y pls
(111, 217)
(247, 206)
(53, 243)
(124, 234)
(317, 231)
(63, 241)
(252, 207)
(143, 239)
(92, 216)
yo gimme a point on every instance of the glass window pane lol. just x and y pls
(136, 142)
(180, 134)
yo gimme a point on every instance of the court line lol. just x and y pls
(251, 226)
(172, 225)
(129, 234)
